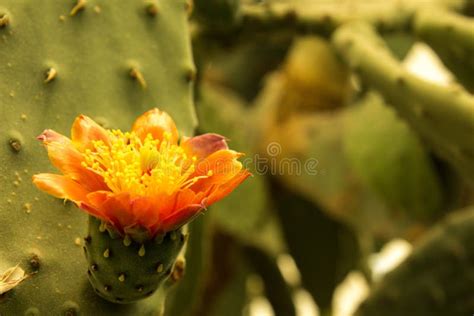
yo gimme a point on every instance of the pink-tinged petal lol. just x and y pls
(204, 145)
(225, 189)
(156, 123)
(180, 217)
(60, 186)
(68, 159)
(49, 136)
(85, 130)
(61, 152)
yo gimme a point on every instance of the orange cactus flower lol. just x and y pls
(145, 178)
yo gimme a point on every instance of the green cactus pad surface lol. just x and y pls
(388, 156)
(109, 60)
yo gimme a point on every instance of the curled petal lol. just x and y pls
(68, 159)
(60, 186)
(156, 123)
(204, 145)
(85, 130)
(225, 189)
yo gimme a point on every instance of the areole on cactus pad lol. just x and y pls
(143, 185)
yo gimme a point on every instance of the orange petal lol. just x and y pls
(68, 159)
(187, 197)
(145, 212)
(60, 187)
(98, 198)
(181, 199)
(204, 145)
(223, 165)
(169, 207)
(116, 207)
(180, 217)
(155, 122)
(85, 130)
(94, 203)
(93, 211)
(165, 204)
(225, 189)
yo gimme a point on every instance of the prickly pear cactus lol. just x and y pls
(360, 141)
(110, 60)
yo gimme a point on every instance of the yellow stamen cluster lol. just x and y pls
(142, 168)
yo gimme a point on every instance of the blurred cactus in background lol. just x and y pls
(357, 139)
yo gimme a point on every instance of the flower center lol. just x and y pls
(142, 168)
